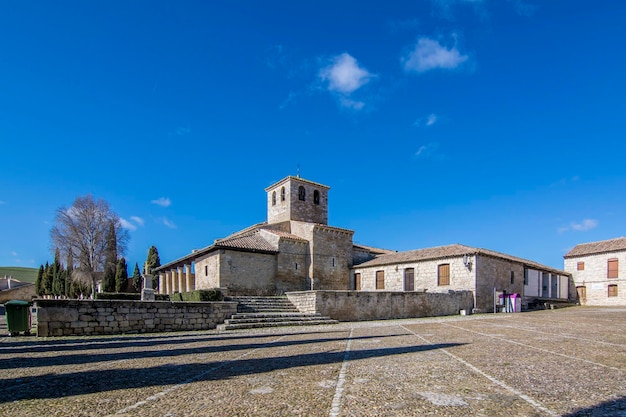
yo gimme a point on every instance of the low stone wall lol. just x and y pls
(90, 317)
(24, 293)
(380, 305)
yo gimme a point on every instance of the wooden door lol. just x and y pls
(582, 294)
(409, 279)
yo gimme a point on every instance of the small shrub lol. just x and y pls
(213, 294)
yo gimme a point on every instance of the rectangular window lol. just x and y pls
(357, 281)
(380, 280)
(443, 274)
(580, 266)
(512, 277)
(206, 270)
(612, 268)
(612, 290)
(525, 276)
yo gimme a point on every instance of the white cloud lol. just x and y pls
(13, 253)
(137, 220)
(162, 201)
(427, 121)
(584, 226)
(344, 75)
(352, 104)
(168, 223)
(127, 225)
(427, 151)
(429, 54)
(181, 131)
(290, 99)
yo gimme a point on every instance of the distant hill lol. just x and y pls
(19, 273)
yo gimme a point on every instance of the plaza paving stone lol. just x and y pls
(567, 362)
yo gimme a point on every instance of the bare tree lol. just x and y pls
(80, 233)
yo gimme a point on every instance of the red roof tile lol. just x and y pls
(603, 246)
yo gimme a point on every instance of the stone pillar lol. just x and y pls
(161, 283)
(181, 282)
(190, 286)
(173, 279)
(168, 283)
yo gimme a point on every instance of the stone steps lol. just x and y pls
(260, 312)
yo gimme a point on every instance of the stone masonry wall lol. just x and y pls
(332, 258)
(380, 305)
(461, 278)
(92, 317)
(25, 293)
(594, 278)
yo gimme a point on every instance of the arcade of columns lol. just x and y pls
(174, 281)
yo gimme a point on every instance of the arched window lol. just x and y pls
(316, 197)
(301, 193)
(274, 198)
(282, 194)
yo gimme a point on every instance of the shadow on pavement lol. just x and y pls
(104, 342)
(94, 381)
(608, 408)
(80, 359)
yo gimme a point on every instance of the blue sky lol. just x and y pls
(496, 124)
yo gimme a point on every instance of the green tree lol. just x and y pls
(153, 261)
(39, 281)
(68, 276)
(137, 278)
(58, 275)
(46, 282)
(110, 260)
(121, 275)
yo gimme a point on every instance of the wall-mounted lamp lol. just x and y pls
(467, 261)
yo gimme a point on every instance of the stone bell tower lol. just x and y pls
(294, 198)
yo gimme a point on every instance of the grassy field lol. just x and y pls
(19, 273)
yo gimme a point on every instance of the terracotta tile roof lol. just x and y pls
(286, 235)
(250, 242)
(373, 249)
(449, 251)
(603, 246)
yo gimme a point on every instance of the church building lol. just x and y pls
(294, 250)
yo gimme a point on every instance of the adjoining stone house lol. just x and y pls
(455, 267)
(598, 270)
(296, 250)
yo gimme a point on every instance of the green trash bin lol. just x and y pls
(17, 315)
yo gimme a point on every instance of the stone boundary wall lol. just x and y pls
(93, 317)
(380, 305)
(24, 293)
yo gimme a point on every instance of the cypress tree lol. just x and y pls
(121, 275)
(68, 276)
(46, 282)
(39, 281)
(58, 275)
(137, 278)
(110, 260)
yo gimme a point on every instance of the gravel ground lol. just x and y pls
(569, 362)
